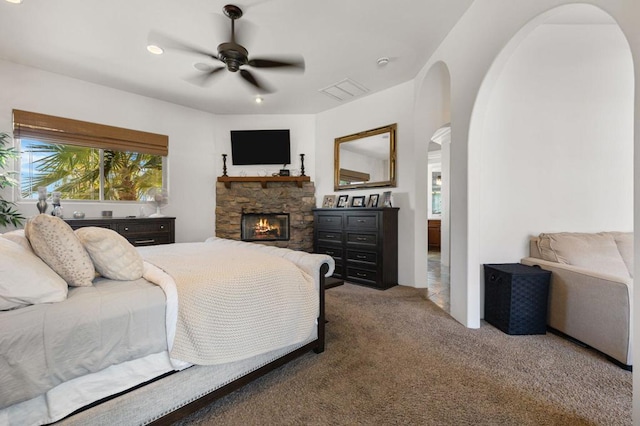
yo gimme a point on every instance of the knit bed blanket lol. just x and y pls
(232, 303)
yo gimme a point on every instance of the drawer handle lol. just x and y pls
(330, 253)
(329, 220)
(330, 236)
(361, 238)
(126, 228)
(161, 226)
(360, 274)
(361, 221)
(145, 241)
(361, 256)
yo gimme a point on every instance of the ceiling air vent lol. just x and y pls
(344, 90)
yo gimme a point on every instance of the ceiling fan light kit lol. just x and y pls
(156, 50)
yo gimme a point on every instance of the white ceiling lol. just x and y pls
(105, 42)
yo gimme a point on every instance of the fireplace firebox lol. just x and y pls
(265, 227)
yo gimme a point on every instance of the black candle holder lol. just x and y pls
(224, 164)
(302, 165)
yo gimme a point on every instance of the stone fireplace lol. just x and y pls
(264, 227)
(235, 199)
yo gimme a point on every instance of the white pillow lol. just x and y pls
(113, 256)
(53, 240)
(18, 236)
(25, 279)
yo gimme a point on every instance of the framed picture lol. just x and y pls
(373, 200)
(342, 201)
(357, 201)
(328, 201)
(386, 199)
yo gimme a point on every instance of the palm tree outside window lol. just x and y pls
(85, 173)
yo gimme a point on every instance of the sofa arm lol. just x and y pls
(592, 307)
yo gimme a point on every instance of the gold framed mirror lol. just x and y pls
(366, 159)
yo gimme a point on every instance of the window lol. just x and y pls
(87, 161)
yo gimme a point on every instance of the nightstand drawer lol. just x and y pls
(364, 221)
(146, 227)
(149, 240)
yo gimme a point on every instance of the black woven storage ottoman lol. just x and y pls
(516, 298)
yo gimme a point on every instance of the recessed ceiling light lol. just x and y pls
(15, 1)
(259, 99)
(156, 50)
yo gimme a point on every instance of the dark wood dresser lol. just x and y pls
(143, 231)
(362, 241)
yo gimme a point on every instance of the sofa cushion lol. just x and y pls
(595, 251)
(624, 241)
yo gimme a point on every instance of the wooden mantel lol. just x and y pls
(263, 179)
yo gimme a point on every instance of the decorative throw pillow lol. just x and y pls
(53, 240)
(18, 236)
(25, 279)
(113, 256)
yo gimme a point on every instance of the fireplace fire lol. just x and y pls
(265, 227)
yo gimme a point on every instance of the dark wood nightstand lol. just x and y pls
(143, 231)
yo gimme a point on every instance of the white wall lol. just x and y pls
(557, 143)
(191, 139)
(394, 105)
(302, 130)
(470, 49)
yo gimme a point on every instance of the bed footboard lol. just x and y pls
(317, 346)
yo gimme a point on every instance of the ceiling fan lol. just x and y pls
(235, 57)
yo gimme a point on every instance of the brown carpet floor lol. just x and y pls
(394, 358)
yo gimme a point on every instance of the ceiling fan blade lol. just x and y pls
(205, 78)
(253, 81)
(167, 42)
(295, 64)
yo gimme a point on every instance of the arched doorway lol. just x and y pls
(551, 130)
(433, 111)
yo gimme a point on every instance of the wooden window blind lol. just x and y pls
(51, 129)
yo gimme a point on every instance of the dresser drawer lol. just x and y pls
(362, 256)
(335, 252)
(329, 221)
(363, 221)
(359, 238)
(330, 236)
(359, 275)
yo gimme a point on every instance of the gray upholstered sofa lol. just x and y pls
(591, 293)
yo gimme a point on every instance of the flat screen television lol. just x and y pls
(260, 147)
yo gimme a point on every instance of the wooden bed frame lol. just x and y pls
(316, 345)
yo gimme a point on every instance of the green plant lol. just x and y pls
(8, 213)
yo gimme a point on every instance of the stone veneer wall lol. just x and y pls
(277, 197)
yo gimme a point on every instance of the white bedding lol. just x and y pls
(77, 393)
(245, 303)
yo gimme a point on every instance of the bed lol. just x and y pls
(123, 335)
